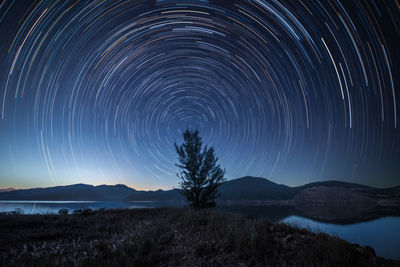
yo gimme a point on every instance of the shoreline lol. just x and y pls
(170, 237)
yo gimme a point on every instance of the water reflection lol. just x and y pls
(381, 234)
(367, 228)
(270, 213)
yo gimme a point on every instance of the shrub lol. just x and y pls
(63, 211)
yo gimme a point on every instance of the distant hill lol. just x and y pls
(159, 195)
(246, 189)
(262, 190)
(242, 189)
(76, 192)
(332, 184)
(6, 189)
(356, 189)
(254, 188)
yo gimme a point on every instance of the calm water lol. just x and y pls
(382, 234)
(47, 207)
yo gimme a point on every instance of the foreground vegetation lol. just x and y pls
(169, 237)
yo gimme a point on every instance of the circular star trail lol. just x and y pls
(294, 91)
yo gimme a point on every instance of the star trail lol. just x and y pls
(293, 91)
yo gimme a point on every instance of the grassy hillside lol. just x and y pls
(169, 237)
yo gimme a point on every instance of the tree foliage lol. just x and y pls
(199, 174)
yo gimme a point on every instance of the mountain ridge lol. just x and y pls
(7, 189)
(246, 188)
(74, 192)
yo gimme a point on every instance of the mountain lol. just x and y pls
(159, 195)
(242, 190)
(116, 192)
(312, 197)
(254, 188)
(344, 192)
(330, 201)
(332, 184)
(6, 189)
(76, 192)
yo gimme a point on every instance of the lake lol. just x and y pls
(51, 207)
(382, 234)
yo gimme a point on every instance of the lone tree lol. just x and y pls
(199, 172)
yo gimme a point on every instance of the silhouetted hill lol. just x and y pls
(332, 184)
(159, 195)
(254, 188)
(76, 192)
(361, 190)
(320, 194)
(245, 189)
(116, 192)
(7, 189)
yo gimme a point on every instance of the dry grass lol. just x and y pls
(169, 237)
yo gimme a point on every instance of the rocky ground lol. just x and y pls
(170, 237)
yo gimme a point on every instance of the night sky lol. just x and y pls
(294, 91)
